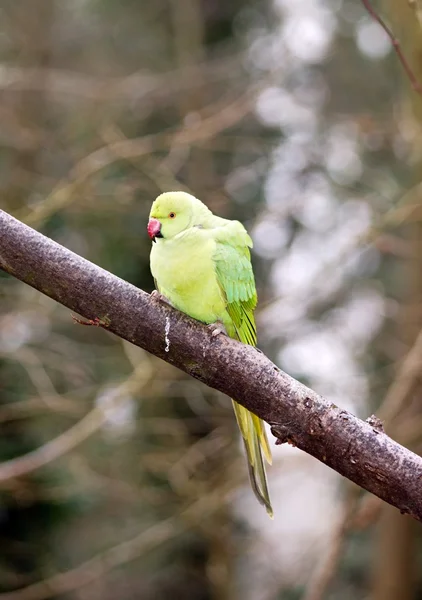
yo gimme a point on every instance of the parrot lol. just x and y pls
(201, 266)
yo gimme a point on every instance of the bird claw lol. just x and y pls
(217, 328)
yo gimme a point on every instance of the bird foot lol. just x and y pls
(96, 322)
(160, 297)
(217, 328)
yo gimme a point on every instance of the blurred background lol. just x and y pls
(295, 117)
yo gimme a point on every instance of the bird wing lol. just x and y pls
(235, 277)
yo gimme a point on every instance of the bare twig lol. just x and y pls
(221, 116)
(122, 553)
(98, 566)
(358, 450)
(141, 86)
(35, 406)
(396, 45)
(72, 437)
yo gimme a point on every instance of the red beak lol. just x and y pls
(154, 229)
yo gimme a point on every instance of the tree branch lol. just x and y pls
(359, 450)
(396, 45)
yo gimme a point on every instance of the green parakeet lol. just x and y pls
(201, 264)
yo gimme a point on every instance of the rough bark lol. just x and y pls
(359, 450)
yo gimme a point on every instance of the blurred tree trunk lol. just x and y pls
(395, 565)
(394, 552)
(24, 112)
(188, 25)
(22, 118)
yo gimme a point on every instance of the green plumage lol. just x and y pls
(201, 264)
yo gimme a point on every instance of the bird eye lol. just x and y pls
(172, 215)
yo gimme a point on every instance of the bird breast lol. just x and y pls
(183, 264)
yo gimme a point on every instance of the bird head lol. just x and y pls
(171, 213)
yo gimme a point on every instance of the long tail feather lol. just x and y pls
(263, 440)
(256, 445)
